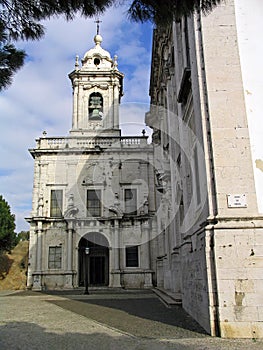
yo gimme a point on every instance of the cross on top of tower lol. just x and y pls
(98, 25)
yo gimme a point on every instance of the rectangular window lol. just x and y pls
(56, 203)
(132, 256)
(54, 257)
(94, 203)
(130, 198)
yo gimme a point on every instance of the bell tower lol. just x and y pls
(97, 90)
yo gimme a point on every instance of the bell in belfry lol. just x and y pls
(95, 108)
(95, 114)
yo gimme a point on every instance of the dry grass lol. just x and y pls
(13, 268)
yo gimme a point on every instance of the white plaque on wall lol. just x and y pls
(236, 201)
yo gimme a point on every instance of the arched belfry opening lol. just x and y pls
(95, 259)
(95, 106)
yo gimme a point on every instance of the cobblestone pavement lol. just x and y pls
(124, 320)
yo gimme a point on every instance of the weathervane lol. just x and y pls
(98, 25)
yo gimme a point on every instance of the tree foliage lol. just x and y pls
(11, 59)
(165, 11)
(21, 20)
(7, 227)
(23, 236)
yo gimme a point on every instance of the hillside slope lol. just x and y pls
(13, 268)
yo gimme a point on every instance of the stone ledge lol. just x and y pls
(169, 298)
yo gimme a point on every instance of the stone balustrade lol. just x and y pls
(90, 143)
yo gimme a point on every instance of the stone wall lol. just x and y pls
(194, 270)
(239, 263)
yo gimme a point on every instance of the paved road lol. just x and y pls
(117, 320)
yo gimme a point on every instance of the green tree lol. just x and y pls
(7, 227)
(11, 59)
(163, 12)
(23, 236)
(22, 20)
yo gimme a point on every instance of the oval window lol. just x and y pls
(96, 61)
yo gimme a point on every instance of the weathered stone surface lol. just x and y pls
(196, 75)
(93, 157)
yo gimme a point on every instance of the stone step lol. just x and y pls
(169, 298)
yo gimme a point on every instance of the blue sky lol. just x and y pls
(40, 97)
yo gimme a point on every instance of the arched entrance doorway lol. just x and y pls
(96, 262)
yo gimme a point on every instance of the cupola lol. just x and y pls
(97, 91)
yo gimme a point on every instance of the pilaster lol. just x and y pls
(37, 275)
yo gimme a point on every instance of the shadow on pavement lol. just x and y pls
(138, 313)
(24, 336)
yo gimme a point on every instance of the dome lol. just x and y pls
(97, 53)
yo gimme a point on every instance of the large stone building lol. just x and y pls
(93, 196)
(210, 247)
(180, 214)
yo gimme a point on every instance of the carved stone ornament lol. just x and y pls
(40, 205)
(115, 208)
(71, 212)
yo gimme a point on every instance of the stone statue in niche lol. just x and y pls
(95, 106)
(40, 205)
(145, 206)
(115, 208)
(71, 211)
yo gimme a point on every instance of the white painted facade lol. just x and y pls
(251, 50)
(210, 247)
(93, 196)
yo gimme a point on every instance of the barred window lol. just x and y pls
(130, 198)
(94, 203)
(56, 203)
(54, 257)
(132, 256)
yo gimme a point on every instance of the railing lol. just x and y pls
(132, 140)
(56, 141)
(91, 142)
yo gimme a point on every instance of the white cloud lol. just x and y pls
(40, 97)
(138, 85)
(132, 119)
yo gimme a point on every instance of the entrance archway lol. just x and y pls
(96, 262)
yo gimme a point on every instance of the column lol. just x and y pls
(69, 253)
(68, 278)
(116, 252)
(39, 249)
(79, 114)
(146, 253)
(110, 108)
(116, 105)
(116, 248)
(37, 283)
(75, 108)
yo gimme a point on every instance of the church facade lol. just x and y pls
(210, 248)
(181, 213)
(93, 195)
